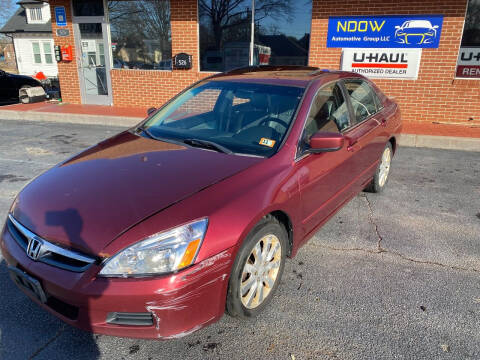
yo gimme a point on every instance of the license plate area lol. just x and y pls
(27, 283)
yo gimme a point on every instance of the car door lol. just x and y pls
(324, 178)
(364, 140)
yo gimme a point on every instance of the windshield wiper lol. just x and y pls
(147, 132)
(208, 145)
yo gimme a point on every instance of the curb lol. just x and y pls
(440, 142)
(107, 120)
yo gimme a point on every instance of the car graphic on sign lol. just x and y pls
(416, 32)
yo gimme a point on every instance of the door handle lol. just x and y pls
(353, 146)
(383, 122)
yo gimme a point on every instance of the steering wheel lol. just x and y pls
(278, 121)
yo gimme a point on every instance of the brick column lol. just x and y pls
(67, 71)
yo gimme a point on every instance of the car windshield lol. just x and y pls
(227, 116)
(418, 24)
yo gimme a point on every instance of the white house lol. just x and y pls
(31, 30)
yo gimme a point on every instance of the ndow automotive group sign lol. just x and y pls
(396, 31)
(382, 63)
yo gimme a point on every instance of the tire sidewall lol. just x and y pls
(234, 305)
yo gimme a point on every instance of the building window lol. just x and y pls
(468, 64)
(37, 57)
(47, 52)
(35, 14)
(281, 33)
(140, 33)
(87, 7)
(225, 28)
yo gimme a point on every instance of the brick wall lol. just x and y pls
(436, 95)
(152, 88)
(67, 71)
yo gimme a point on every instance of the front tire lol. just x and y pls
(257, 269)
(380, 178)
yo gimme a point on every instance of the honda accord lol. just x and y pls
(157, 231)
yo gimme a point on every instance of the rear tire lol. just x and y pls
(382, 173)
(257, 269)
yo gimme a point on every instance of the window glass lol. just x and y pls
(37, 58)
(245, 118)
(282, 32)
(87, 7)
(329, 112)
(468, 64)
(47, 52)
(140, 32)
(225, 28)
(363, 98)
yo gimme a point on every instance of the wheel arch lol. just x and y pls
(283, 218)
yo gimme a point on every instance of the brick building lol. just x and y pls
(122, 57)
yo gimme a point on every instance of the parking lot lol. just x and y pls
(391, 276)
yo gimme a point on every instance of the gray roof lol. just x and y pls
(18, 24)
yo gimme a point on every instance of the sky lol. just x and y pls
(7, 8)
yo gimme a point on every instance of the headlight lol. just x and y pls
(161, 253)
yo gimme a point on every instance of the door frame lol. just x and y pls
(93, 99)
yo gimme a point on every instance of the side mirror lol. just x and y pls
(326, 142)
(397, 27)
(151, 110)
(435, 27)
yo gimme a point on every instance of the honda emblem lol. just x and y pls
(34, 248)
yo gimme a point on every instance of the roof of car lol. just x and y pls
(276, 75)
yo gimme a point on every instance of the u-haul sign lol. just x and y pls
(382, 63)
(468, 64)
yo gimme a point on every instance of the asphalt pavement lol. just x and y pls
(391, 276)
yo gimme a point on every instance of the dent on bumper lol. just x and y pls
(179, 303)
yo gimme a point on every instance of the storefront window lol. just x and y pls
(468, 65)
(282, 32)
(140, 34)
(224, 34)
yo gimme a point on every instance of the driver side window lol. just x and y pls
(363, 98)
(329, 112)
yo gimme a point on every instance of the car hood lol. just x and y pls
(90, 199)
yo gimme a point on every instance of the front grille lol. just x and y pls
(48, 252)
(133, 319)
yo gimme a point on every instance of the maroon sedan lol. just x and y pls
(155, 232)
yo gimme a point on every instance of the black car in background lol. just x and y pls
(10, 84)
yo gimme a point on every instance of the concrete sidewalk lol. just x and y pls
(458, 136)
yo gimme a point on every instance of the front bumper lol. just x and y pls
(179, 303)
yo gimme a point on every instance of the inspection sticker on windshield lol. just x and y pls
(267, 142)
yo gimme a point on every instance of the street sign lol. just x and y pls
(60, 16)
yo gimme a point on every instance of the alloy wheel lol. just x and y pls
(260, 271)
(385, 166)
